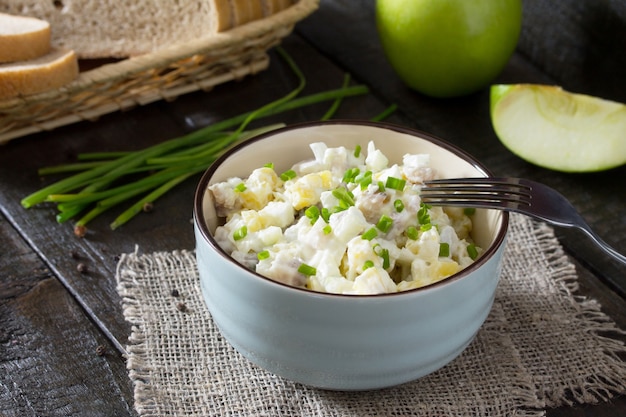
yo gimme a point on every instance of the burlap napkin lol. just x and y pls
(542, 346)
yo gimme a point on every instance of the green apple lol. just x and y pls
(447, 48)
(559, 130)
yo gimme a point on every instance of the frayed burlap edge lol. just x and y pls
(133, 292)
(604, 383)
(609, 374)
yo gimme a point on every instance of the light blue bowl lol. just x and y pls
(345, 342)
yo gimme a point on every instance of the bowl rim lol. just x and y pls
(201, 223)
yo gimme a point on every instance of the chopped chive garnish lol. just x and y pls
(357, 151)
(263, 255)
(240, 233)
(381, 187)
(398, 205)
(412, 233)
(426, 227)
(423, 217)
(369, 234)
(468, 211)
(472, 251)
(327, 229)
(344, 196)
(312, 213)
(325, 214)
(384, 253)
(241, 187)
(365, 180)
(384, 223)
(395, 183)
(341, 206)
(351, 174)
(368, 264)
(288, 175)
(308, 270)
(269, 165)
(444, 249)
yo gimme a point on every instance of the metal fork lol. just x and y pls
(512, 194)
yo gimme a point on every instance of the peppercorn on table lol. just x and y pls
(63, 332)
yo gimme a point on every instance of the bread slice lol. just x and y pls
(23, 38)
(123, 28)
(51, 71)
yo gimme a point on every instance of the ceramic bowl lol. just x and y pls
(345, 342)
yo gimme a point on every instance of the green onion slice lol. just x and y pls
(384, 253)
(384, 223)
(325, 213)
(398, 205)
(365, 180)
(307, 270)
(369, 234)
(312, 213)
(357, 151)
(350, 175)
(288, 175)
(472, 251)
(240, 233)
(444, 249)
(395, 183)
(368, 264)
(412, 233)
(262, 255)
(241, 187)
(344, 196)
(423, 217)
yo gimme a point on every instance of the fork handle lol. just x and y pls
(604, 246)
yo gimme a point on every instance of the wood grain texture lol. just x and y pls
(52, 317)
(580, 43)
(42, 331)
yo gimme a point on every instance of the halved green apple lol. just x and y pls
(559, 130)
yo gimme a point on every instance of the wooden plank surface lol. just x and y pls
(50, 311)
(53, 360)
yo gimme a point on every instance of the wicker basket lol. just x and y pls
(165, 74)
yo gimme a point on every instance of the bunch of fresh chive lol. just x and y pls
(104, 180)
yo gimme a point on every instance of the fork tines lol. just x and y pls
(477, 192)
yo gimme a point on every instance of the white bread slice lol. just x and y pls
(123, 28)
(23, 38)
(51, 71)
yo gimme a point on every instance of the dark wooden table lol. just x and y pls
(54, 318)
